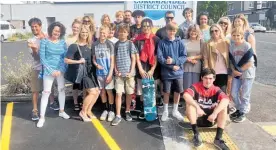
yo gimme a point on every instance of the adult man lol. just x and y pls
(136, 29)
(169, 17)
(205, 104)
(36, 83)
(128, 17)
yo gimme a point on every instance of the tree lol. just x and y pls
(216, 9)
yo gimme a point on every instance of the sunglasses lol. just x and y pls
(225, 23)
(212, 31)
(86, 21)
(146, 26)
(169, 18)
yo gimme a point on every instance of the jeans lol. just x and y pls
(241, 91)
(47, 85)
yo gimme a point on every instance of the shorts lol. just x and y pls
(139, 86)
(103, 85)
(176, 83)
(124, 85)
(203, 120)
(36, 83)
(77, 86)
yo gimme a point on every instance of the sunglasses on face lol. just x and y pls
(224, 23)
(212, 31)
(169, 18)
(86, 21)
(145, 26)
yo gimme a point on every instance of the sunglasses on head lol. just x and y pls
(169, 18)
(212, 31)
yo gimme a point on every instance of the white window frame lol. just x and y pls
(251, 3)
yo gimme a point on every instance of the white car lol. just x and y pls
(257, 27)
(6, 30)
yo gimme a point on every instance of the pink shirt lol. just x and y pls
(220, 66)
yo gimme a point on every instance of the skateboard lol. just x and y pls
(148, 89)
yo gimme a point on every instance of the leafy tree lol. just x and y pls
(216, 9)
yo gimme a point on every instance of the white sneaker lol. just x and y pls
(64, 115)
(165, 116)
(104, 115)
(40, 123)
(177, 115)
(111, 116)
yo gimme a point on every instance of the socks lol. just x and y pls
(111, 107)
(175, 107)
(141, 106)
(219, 133)
(166, 107)
(119, 116)
(194, 128)
(105, 106)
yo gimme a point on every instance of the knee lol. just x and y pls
(93, 91)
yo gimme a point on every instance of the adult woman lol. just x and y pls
(202, 21)
(216, 56)
(52, 52)
(188, 15)
(241, 21)
(105, 20)
(71, 39)
(89, 83)
(225, 24)
(88, 21)
(192, 66)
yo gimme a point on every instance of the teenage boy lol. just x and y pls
(172, 55)
(136, 29)
(125, 61)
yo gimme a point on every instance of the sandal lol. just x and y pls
(84, 117)
(76, 107)
(91, 115)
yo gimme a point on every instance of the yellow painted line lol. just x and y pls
(6, 129)
(208, 135)
(271, 129)
(105, 135)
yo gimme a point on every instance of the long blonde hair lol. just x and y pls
(195, 28)
(88, 40)
(92, 25)
(229, 27)
(245, 21)
(219, 28)
(103, 17)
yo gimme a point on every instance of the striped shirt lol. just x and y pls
(123, 56)
(52, 56)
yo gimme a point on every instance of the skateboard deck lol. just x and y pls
(148, 89)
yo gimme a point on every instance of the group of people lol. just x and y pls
(205, 65)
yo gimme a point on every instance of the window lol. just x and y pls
(230, 6)
(251, 4)
(264, 4)
(5, 27)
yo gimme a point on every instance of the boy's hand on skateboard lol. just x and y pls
(108, 79)
(212, 117)
(169, 60)
(175, 68)
(200, 112)
(150, 74)
(143, 73)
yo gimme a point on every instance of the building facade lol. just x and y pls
(255, 11)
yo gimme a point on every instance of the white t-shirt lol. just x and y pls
(113, 40)
(36, 65)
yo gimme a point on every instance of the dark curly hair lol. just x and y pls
(35, 20)
(201, 14)
(58, 24)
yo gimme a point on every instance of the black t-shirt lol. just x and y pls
(74, 54)
(134, 31)
(162, 33)
(146, 66)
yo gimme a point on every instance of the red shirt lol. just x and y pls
(206, 98)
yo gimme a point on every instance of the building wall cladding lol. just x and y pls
(65, 13)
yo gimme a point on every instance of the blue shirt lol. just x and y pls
(52, 56)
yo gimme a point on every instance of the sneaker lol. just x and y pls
(241, 117)
(116, 121)
(63, 115)
(160, 103)
(111, 116)
(35, 115)
(104, 115)
(235, 114)
(76, 107)
(40, 123)
(165, 116)
(197, 141)
(232, 110)
(178, 115)
(221, 144)
(180, 105)
(54, 105)
(128, 116)
(141, 115)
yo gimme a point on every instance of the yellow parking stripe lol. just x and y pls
(6, 129)
(105, 135)
(271, 129)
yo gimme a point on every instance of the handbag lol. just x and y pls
(82, 71)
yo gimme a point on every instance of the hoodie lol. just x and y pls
(177, 51)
